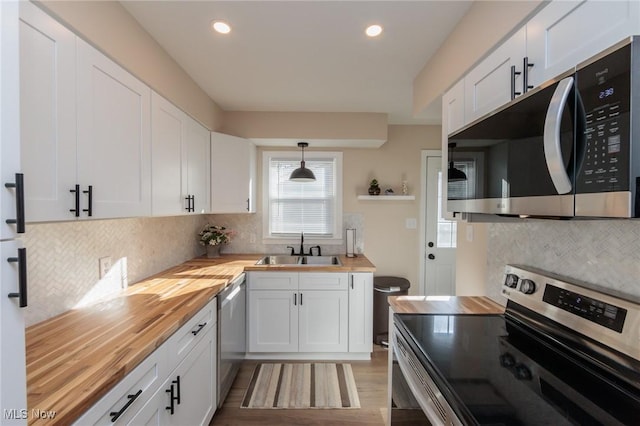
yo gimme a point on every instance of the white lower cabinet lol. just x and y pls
(361, 312)
(309, 312)
(188, 396)
(174, 385)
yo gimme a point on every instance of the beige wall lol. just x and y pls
(394, 249)
(306, 125)
(485, 24)
(110, 28)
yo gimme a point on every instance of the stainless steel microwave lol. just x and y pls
(570, 148)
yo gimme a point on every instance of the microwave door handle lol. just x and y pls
(552, 148)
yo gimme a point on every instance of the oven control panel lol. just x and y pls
(594, 310)
(608, 317)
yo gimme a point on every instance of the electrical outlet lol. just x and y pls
(104, 264)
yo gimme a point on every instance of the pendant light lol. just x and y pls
(453, 174)
(302, 174)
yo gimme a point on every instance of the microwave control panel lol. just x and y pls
(603, 155)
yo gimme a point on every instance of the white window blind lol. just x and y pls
(308, 207)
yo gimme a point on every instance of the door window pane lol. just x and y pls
(446, 232)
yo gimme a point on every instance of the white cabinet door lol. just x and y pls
(198, 165)
(361, 312)
(323, 317)
(47, 115)
(273, 321)
(114, 137)
(564, 33)
(453, 109)
(488, 85)
(233, 170)
(196, 385)
(168, 157)
(13, 392)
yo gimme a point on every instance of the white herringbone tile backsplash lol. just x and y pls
(605, 253)
(63, 257)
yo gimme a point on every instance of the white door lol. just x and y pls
(324, 325)
(114, 138)
(440, 236)
(273, 321)
(198, 165)
(47, 115)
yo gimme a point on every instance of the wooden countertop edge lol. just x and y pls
(445, 305)
(40, 337)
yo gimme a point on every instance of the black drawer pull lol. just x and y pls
(177, 383)
(115, 414)
(172, 398)
(89, 209)
(514, 73)
(22, 277)
(200, 327)
(525, 74)
(19, 186)
(76, 191)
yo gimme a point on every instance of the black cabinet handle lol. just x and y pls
(351, 282)
(116, 414)
(172, 398)
(188, 199)
(89, 209)
(177, 383)
(300, 299)
(22, 277)
(200, 327)
(525, 74)
(247, 204)
(77, 204)
(193, 203)
(514, 73)
(19, 186)
(295, 299)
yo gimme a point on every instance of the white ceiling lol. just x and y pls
(304, 55)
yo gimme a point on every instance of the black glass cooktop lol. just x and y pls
(493, 371)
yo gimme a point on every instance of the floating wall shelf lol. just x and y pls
(387, 197)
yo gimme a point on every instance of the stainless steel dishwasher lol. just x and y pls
(231, 334)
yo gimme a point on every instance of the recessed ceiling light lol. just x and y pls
(221, 27)
(373, 30)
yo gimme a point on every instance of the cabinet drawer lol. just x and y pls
(273, 281)
(183, 340)
(323, 281)
(129, 395)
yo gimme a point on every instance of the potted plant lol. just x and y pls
(212, 237)
(374, 189)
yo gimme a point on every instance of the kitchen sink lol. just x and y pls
(278, 260)
(320, 260)
(299, 260)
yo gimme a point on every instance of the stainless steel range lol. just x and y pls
(563, 353)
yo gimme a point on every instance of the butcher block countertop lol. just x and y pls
(75, 358)
(444, 305)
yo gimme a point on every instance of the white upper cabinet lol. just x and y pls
(492, 82)
(198, 166)
(233, 174)
(47, 115)
(114, 137)
(565, 33)
(86, 127)
(180, 161)
(453, 109)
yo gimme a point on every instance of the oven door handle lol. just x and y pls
(552, 147)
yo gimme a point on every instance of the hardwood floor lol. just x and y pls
(371, 380)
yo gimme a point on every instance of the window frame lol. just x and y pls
(267, 237)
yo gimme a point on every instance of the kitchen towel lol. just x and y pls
(301, 385)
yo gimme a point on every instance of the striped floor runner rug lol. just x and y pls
(317, 385)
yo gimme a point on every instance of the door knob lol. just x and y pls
(430, 244)
(431, 256)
